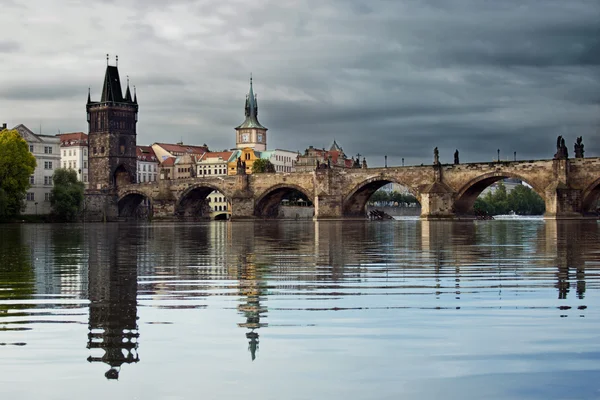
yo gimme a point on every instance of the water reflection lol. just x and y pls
(398, 291)
(113, 327)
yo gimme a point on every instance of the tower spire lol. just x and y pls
(128, 92)
(134, 95)
(89, 96)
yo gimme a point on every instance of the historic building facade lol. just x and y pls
(74, 154)
(46, 150)
(314, 158)
(112, 134)
(147, 164)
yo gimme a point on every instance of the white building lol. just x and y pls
(147, 164)
(74, 154)
(215, 164)
(46, 150)
(282, 160)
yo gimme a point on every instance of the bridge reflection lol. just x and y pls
(440, 260)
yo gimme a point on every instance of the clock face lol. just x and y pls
(260, 137)
(245, 137)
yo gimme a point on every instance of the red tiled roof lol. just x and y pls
(73, 139)
(145, 153)
(183, 149)
(169, 162)
(216, 154)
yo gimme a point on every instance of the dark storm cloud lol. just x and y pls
(392, 78)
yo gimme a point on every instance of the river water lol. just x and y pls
(301, 310)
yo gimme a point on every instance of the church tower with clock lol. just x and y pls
(112, 134)
(251, 133)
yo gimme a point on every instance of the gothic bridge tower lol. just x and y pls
(112, 134)
(251, 133)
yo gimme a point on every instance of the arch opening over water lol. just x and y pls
(590, 201)
(135, 205)
(368, 193)
(468, 195)
(284, 201)
(203, 203)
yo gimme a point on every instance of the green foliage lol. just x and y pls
(402, 200)
(67, 195)
(262, 165)
(17, 164)
(522, 200)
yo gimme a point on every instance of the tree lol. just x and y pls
(17, 164)
(262, 165)
(522, 200)
(67, 195)
(380, 196)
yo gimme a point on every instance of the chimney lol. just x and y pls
(3, 126)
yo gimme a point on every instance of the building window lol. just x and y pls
(102, 150)
(32, 180)
(47, 164)
(30, 196)
(85, 152)
(139, 177)
(144, 168)
(31, 148)
(47, 180)
(64, 153)
(85, 164)
(69, 153)
(46, 196)
(85, 178)
(155, 168)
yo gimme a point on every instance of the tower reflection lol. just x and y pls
(112, 281)
(251, 287)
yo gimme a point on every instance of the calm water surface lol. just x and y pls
(301, 310)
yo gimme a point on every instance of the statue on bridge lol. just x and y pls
(436, 156)
(561, 150)
(579, 147)
(364, 162)
(241, 166)
(456, 157)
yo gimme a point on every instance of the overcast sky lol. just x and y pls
(395, 77)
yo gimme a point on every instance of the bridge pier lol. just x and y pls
(329, 207)
(563, 202)
(437, 202)
(100, 206)
(242, 207)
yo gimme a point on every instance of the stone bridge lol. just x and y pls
(569, 187)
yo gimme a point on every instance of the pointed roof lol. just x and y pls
(128, 93)
(335, 146)
(251, 111)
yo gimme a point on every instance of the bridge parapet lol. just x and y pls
(569, 187)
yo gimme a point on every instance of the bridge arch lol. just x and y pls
(355, 202)
(468, 193)
(135, 204)
(193, 202)
(267, 204)
(590, 197)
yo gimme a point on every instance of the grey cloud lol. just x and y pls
(9, 46)
(381, 77)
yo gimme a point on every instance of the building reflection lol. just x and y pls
(251, 286)
(112, 280)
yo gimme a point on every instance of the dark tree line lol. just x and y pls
(522, 200)
(393, 198)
